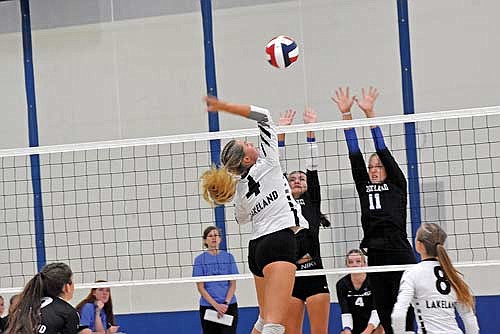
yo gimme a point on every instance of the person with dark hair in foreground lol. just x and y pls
(44, 307)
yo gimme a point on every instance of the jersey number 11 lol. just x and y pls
(374, 200)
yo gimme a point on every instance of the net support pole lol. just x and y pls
(213, 118)
(29, 80)
(408, 108)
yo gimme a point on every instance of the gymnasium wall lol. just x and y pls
(128, 69)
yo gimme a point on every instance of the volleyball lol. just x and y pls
(282, 51)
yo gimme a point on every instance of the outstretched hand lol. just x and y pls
(368, 101)
(286, 118)
(343, 100)
(310, 116)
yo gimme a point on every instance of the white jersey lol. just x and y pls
(263, 196)
(434, 301)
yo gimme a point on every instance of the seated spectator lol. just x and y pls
(43, 306)
(2, 309)
(359, 315)
(96, 311)
(14, 299)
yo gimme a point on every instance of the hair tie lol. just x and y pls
(437, 243)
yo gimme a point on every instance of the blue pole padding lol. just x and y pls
(29, 80)
(213, 118)
(408, 107)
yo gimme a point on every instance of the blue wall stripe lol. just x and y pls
(29, 79)
(213, 118)
(408, 107)
(188, 322)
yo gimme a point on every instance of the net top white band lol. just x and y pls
(439, 115)
(334, 271)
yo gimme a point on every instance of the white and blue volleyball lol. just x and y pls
(282, 51)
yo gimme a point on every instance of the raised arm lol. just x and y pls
(286, 118)
(268, 137)
(366, 104)
(344, 103)
(214, 104)
(310, 116)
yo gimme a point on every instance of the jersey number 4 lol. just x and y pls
(359, 302)
(253, 187)
(374, 200)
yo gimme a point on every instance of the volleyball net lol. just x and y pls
(131, 210)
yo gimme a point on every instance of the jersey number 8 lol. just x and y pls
(442, 284)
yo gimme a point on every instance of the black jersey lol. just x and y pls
(310, 202)
(308, 246)
(58, 317)
(356, 306)
(383, 205)
(3, 324)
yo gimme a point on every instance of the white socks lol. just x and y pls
(273, 329)
(259, 324)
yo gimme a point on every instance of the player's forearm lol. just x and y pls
(352, 141)
(233, 108)
(378, 138)
(99, 326)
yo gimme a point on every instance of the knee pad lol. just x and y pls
(273, 329)
(259, 324)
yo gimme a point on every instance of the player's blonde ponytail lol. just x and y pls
(219, 183)
(433, 237)
(218, 186)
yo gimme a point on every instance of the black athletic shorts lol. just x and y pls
(277, 246)
(307, 286)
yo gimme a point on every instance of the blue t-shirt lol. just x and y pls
(207, 264)
(87, 316)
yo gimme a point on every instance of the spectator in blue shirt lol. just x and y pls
(218, 296)
(96, 311)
